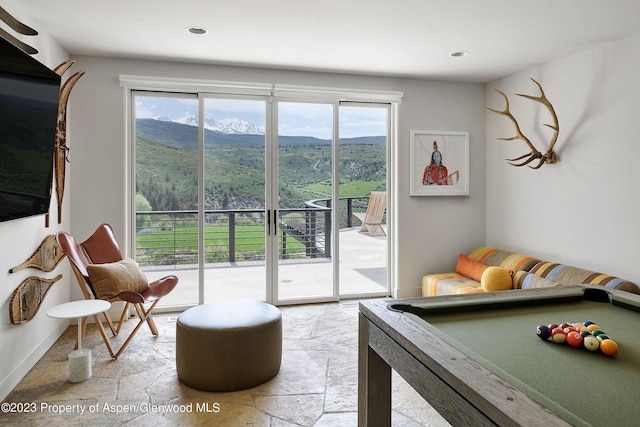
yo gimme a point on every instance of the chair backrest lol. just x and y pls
(376, 207)
(100, 248)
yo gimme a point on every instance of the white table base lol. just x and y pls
(80, 365)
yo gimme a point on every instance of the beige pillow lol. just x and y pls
(108, 280)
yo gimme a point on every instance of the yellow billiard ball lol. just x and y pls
(609, 347)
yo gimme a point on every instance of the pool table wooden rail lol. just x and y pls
(460, 389)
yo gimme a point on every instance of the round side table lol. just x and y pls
(80, 359)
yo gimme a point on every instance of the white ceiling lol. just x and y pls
(405, 38)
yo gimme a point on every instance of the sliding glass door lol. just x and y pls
(258, 197)
(165, 217)
(363, 151)
(305, 191)
(233, 197)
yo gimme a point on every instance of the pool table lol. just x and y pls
(477, 359)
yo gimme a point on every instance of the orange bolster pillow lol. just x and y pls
(470, 268)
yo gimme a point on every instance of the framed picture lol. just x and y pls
(439, 163)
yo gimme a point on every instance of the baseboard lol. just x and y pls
(19, 372)
(407, 292)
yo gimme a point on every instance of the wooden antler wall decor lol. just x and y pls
(548, 156)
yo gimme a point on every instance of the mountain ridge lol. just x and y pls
(181, 135)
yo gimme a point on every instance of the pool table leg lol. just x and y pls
(374, 382)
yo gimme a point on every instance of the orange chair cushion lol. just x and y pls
(470, 268)
(109, 280)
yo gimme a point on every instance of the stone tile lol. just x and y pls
(302, 409)
(341, 394)
(410, 409)
(316, 385)
(300, 372)
(130, 385)
(346, 419)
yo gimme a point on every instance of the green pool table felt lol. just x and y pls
(585, 388)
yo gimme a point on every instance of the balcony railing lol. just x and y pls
(231, 236)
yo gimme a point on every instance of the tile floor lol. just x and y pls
(316, 385)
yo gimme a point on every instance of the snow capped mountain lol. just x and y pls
(228, 126)
(237, 126)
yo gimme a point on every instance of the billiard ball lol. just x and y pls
(609, 347)
(543, 332)
(587, 323)
(591, 343)
(552, 326)
(574, 339)
(564, 325)
(597, 332)
(585, 332)
(592, 327)
(558, 335)
(603, 337)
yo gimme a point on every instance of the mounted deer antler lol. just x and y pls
(549, 156)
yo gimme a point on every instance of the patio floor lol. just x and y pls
(363, 270)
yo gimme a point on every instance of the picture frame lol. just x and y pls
(445, 173)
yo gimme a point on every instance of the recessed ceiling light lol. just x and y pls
(459, 54)
(197, 30)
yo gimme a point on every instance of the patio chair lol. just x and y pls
(102, 273)
(372, 218)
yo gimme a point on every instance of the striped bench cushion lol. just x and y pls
(448, 284)
(525, 280)
(455, 283)
(504, 259)
(568, 275)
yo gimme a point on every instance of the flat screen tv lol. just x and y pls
(29, 93)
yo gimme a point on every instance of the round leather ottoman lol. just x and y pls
(228, 346)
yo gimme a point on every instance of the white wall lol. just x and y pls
(430, 229)
(583, 210)
(21, 346)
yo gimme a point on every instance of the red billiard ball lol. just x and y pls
(574, 339)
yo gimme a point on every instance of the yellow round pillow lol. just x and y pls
(495, 279)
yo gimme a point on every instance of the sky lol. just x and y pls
(294, 119)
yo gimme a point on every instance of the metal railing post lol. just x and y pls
(232, 237)
(327, 231)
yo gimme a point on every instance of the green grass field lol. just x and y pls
(249, 237)
(349, 189)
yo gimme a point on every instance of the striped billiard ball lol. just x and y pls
(591, 343)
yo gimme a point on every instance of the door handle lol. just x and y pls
(275, 222)
(268, 222)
